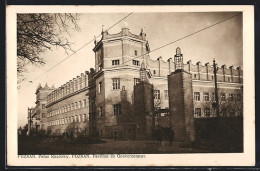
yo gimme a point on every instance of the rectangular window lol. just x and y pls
(99, 87)
(66, 120)
(76, 105)
(117, 109)
(84, 103)
(135, 62)
(207, 112)
(231, 97)
(72, 106)
(43, 106)
(84, 118)
(206, 97)
(116, 83)
(80, 118)
(157, 94)
(71, 119)
(136, 80)
(223, 97)
(166, 95)
(68, 108)
(43, 115)
(154, 72)
(115, 62)
(197, 96)
(79, 104)
(101, 112)
(135, 52)
(197, 112)
(75, 118)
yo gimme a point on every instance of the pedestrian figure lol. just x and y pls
(97, 135)
(71, 135)
(171, 136)
(115, 134)
(159, 135)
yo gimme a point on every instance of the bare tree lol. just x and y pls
(157, 104)
(37, 33)
(229, 103)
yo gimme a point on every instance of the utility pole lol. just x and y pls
(216, 105)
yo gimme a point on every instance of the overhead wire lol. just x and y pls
(74, 52)
(184, 37)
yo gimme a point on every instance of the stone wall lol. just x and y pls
(181, 106)
(226, 132)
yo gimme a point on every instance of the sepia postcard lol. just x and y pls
(130, 86)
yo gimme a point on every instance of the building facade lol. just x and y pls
(37, 116)
(102, 100)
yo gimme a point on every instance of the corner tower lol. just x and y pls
(41, 101)
(121, 49)
(118, 59)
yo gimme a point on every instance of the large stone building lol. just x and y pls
(37, 116)
(103, 99)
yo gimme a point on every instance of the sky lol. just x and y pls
(222, 42)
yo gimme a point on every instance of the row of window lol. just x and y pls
(158, 96)
(67, 120)
(231, 97)
(206, 96)
(117, 62)
(115, 84)
(67, 89)
(116, 110)
(197, 112)
(67, 108)
(71, 130)
(227, 78)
